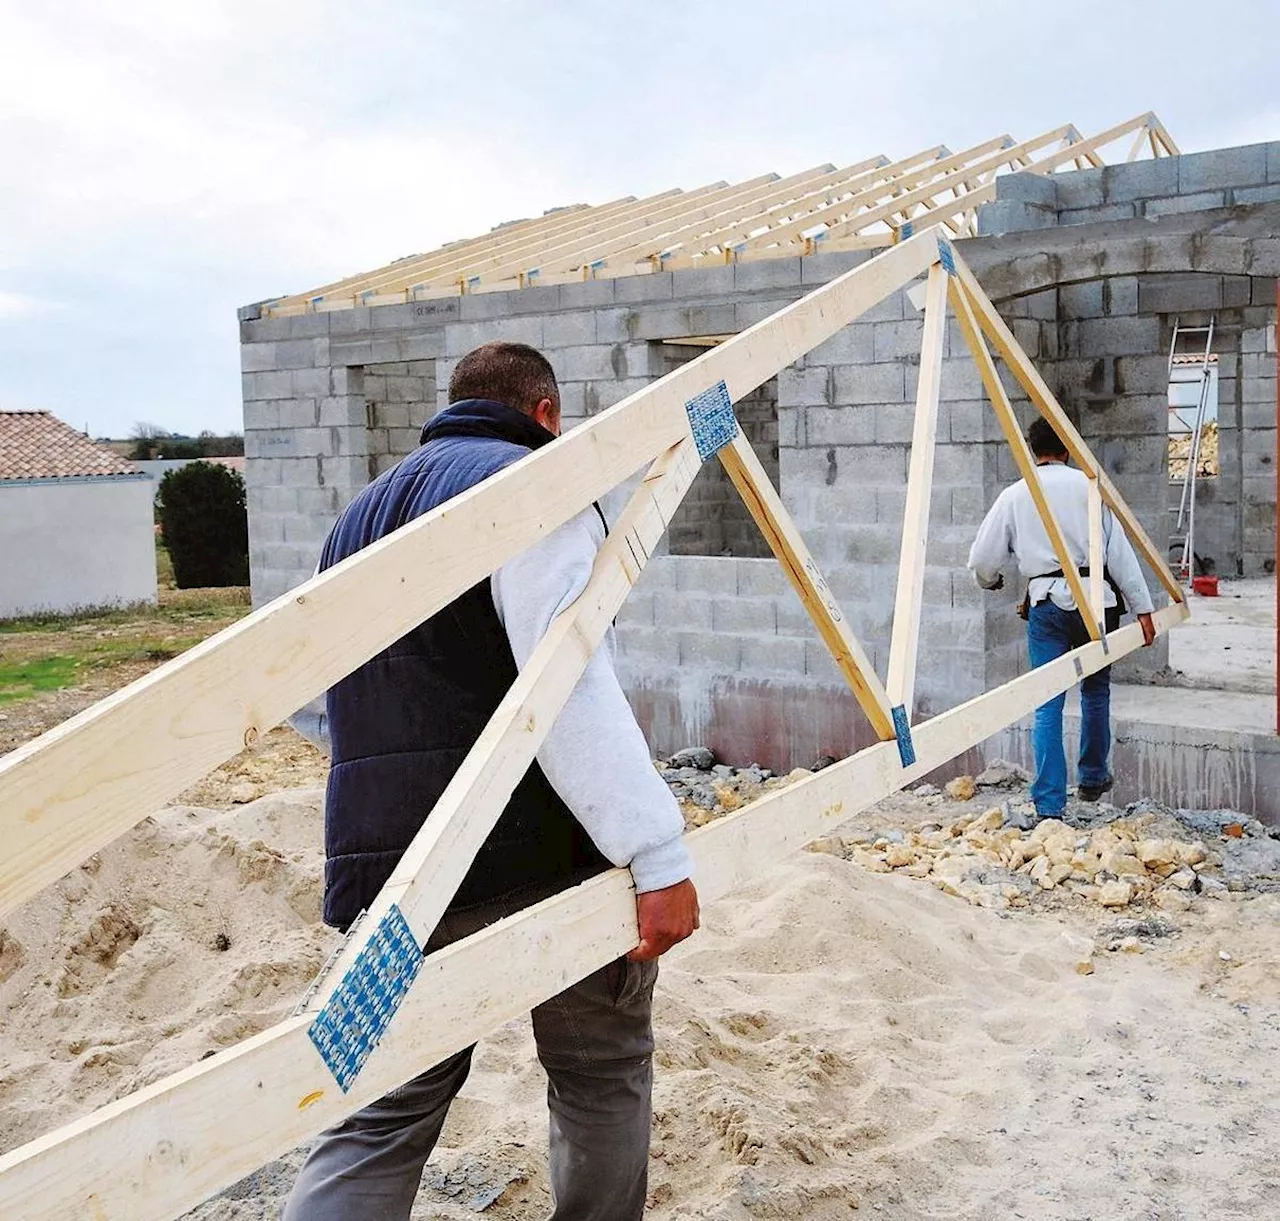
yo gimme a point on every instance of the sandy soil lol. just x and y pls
(832, 1040)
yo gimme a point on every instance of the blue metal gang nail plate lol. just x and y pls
(712, 420)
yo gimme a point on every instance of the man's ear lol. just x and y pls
(548, 415)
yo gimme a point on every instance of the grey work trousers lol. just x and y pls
(595, 1041)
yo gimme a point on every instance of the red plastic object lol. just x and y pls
(1206, 587)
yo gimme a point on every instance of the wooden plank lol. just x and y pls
(1161, 134)
(901, 677)
(1029, 378)
(433, 866)
(1138, 142)
(520, 233)
(761, 205)
(1097, 560)
(1022, 455)
(499, 263)
(769, 513)
(161, 1151)
(844, 185)
(857, 212)
(74, 789)
(860, 222)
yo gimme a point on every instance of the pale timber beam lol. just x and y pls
(901, 678)
(74, 789)
(769, 513)
(159, 1152)
(1029, 378)
(1097, 560)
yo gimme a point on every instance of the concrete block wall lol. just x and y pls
(1193, 182)
(400, 397)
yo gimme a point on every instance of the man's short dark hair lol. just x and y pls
(1044, 442)
(513, 374)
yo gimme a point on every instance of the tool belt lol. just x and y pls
(1024, 606)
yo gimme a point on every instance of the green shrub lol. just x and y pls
(205, 525)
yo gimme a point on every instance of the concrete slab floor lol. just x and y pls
(1229, 643)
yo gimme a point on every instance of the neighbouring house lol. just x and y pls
(76, 525)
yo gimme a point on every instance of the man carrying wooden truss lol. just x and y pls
(386, 1011)
(1055, 624)
(401, 724)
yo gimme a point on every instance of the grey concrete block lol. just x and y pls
(891, 505)
(856, 384)
(1264, 257)
(961, 379)
(637, 611)
(349, 322)
(656, 647)
(262, 414)
(1128, 182)
(967, 420)
(870, 544)
(350, 351)
(299, 413)
(1091, 216)
(272, 384)
(615, 325)
(569, 329)
(894, 422)
(748, 313)
(1012, 216)
(1142, 375)
(710, 653)
(759, 578)
(1178, 204)
(1258, 339)
(1028, 188)
(426, 345)
(804, 387)
(895, 340)
(744, 615)
(821, 268)
(257, 357)
(681, 322)
(462, 337)
(654, 287)
(1256, 195)
(847, 503)
(840, 425)
(1120, 295)
(791, 427)
(768, 273)
(538, 299)
(312, 383)
(705, 575)
(588, 294)
(853, 344)
(1079, 189)
(1119, 336)
(1083, 300)
(961, 465)
(343, 471)
(703, 282)
(779, 655)
(1263, 291)
(1221, 167)
(1236, 291)
(600, 395)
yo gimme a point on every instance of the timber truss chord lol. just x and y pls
(383, 1011)
(870, 204)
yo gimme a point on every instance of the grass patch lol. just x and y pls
(23, 679)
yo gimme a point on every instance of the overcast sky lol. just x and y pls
(162, 163)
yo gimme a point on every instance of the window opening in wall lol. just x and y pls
(712, 518)
(1191, 377)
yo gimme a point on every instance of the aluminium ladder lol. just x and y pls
(1184, 533)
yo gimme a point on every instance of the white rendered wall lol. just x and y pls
(72, 543)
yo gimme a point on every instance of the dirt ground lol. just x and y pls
(836, 1039)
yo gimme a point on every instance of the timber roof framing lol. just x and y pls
(872, 203)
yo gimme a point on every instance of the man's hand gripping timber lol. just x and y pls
(666, 917)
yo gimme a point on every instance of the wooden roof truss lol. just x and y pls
(870, 204)
(384, 1011)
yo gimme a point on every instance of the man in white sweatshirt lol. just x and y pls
(1013, 529)
(401, 724)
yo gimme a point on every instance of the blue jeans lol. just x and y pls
(1052, 632)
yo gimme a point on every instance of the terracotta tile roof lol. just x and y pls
(37, 445)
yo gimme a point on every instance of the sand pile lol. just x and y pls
(835, 1039)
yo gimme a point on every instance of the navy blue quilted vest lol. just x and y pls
(402, 723)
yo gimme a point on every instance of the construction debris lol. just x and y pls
(1005, 857)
